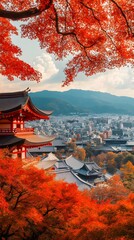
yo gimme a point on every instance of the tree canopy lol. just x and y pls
(97, 34)
(34, 206)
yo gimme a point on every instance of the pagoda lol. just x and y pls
(16, 108)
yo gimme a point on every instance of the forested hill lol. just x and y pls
(81, 101)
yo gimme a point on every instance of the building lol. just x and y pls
(16, 108)
(86, 171)
(84, 174)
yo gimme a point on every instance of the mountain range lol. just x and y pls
(82, 102)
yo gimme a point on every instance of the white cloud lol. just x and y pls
(44, 64)
(116, 81)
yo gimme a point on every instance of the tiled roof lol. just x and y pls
(6, 141)
(27, 140)
(92, 166)
(33, 138)
(67, 172)
(43, 149)
(61, 165)
(50, 157)
(69, 177)
(73, 163)
(14, 101)
(45, 164)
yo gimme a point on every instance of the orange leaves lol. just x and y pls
(80, 153)
(4, 206)
(97, 34)
(34, 215)
(10, 65)
(32, 201)
(128, 175)
(122, 212)
(113, 190)
(43, 4)
(35, 206)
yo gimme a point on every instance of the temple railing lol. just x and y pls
(8, 131)
(23, 130)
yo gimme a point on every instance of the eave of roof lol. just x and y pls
(15, 101)
(25, 140)
(46, 164)
(37, 110)
(73, 162)
(9, 141)
(32, 140)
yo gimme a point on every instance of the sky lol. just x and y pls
(118, 82)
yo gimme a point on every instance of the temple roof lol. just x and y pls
(70, 177)
(45, 164)
(61, 165)
(26, 140)
(10, 140)
(86, 171)
(33, 138)
(20, 101)
(74, 163)
(92, 166)
(50, 157)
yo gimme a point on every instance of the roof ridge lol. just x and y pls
(15, 94)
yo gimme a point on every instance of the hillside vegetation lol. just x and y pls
(80, 101)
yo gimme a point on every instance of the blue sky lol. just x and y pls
(117, 81)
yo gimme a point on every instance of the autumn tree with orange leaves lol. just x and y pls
(97, 34)
(33, 206)
(127, 171)
(112, 190)
(80, 153)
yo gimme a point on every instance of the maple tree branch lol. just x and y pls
(124, 16)
(49, 210)
(66, 33)
(8, 228)
(18, 198)
(31, 12)
(19, 15)
(98, 20)
(17, 201)
(6, 235)
(10, 194)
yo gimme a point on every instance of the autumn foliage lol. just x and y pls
(35, 206)
(32, 203)
(98, 34)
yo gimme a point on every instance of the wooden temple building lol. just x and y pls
(16, 108)
(85, 175)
